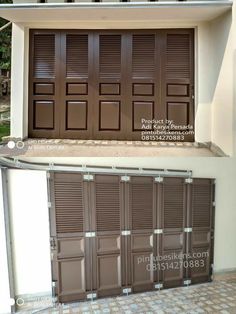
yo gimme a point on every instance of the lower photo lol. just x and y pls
(117, 235)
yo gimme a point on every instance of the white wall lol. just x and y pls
(30, 231)
(4, 281)
(30, 227)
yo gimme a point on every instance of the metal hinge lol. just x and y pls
(158, 286)
(126, 290)
(91, 296)
(48, 175)
(158, 231)
(90, 234)
(126, 232)
(159, 179)
(214, 204)
(125, 178)
(52, 256)
(212, 266)
(187, 282)
(188, 229)
(49, 204)
(189, 180)
(88, 177)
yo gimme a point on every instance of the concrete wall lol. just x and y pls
(4, 282)
(30, 224)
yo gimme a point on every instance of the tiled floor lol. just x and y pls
(216, 297)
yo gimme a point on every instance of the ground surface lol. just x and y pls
(78, 148)
(216, 297)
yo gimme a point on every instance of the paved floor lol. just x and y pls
(216, 297)
(78, 148)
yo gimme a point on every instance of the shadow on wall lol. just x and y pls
(219, 36)
(234, 104)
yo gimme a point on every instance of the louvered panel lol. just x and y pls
(201, 205)
(142, 206)
(77, 56)
(173, 206)
(108, 206)
(178, 56)
(110, 56)
(69, 207)
(143, 56)
(44, 56)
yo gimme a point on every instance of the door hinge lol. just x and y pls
(188, 229)
(212, 266)
(52, 256)
(126, 290)
(189, 180)
(90, 234)
(158, 286)
(88, 177)
(214, 204)
(159, 179)
(91, 296)
(158, 231)
(125, 178)
(53, 244)
(49, 204)
(126, 232)
(48, 175)
(187, 282)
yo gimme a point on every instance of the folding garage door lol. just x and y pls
(100, 85)
(114, 234)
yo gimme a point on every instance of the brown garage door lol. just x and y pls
(112, 234)
(100, 85)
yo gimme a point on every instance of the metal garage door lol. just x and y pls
(114, 234)
(99, 85)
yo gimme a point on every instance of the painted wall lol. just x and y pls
(30, 225)
(4, 282)
(30, 231)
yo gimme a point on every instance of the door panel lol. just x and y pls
(113, 234)
(101, 84)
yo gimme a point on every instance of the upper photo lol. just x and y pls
(117, 78)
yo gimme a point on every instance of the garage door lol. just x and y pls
(100, 85)
(114, 234)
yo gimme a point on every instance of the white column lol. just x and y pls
(4, 282)
(19, 83)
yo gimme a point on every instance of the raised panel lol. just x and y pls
(109, 89)
(109, 272)
(69, 247)
(201, 238)
(72, 276)
(108, 243)
(201, 263)
(44, 56)
(178, 112)
(143, 89)
(141, 110)
(43, 114)
(76, 115)
(109, 115)
(172, 267)
(173, 241)
(142, 268)
(77, 88)
(142, 241)
(43, 88)
(177, 90)
(77, 56)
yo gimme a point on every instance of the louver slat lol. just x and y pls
(201, 205)
(142, 206)
(69, 207)
(44, 56)
(110, 56)
(107, 206)
(178, 56)
(173, 205)
(143, 56)
(77, 56)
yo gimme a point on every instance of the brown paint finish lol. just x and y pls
(110, 261)
(121, 76)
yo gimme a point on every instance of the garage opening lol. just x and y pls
(117, 85)
(118, 234)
